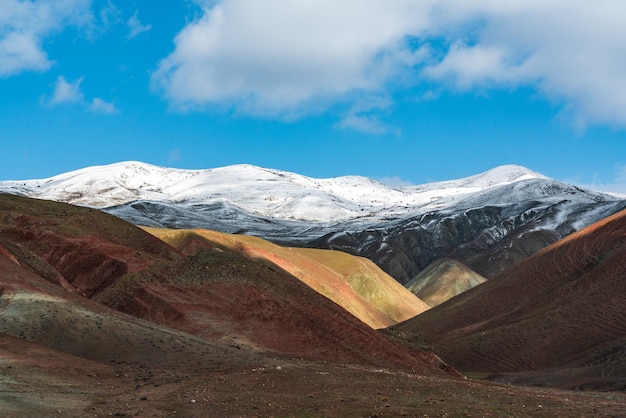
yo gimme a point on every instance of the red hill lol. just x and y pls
(90, 256)
(559, 316)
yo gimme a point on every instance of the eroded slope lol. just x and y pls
(561, 311)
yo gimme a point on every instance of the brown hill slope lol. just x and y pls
(213, 294)
(442, 280)
(354, 283)
(78, 248)
(38, 304)
(562, 309)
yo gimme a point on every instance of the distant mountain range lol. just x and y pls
(489, 221)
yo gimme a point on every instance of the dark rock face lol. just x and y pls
(488, 239)
(221, 216)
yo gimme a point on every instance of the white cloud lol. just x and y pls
(100, 106)
(467, 67)
(25, 24)
(369, 124)
(135, 26)
(364, 115)
(69, 92)
(65, 92)
(21, 51)
(569, 51)
(280, 57)
(110, 15)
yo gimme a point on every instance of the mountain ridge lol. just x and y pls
(345, 197)
(101, 318)
(502, 215)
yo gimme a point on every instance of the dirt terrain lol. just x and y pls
(218, 296)
(36, 381)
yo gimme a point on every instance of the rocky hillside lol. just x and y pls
(100, 318)
(556, 318)
(488, 233)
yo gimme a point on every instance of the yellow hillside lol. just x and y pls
(442, 280)
(354, 283)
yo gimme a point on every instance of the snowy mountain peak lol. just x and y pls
(504, 174)
(263, 192)
(507, 174)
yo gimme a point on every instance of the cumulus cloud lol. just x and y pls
(21, 51)
(25, 24)
(277, 57)
(100, 106)
(136, 27)
(570, 52)
(69, 92)
(65, 92)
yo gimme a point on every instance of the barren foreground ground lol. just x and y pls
(40, 382)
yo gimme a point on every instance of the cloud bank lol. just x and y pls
(281, 57)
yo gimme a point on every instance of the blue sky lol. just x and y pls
(397, 90)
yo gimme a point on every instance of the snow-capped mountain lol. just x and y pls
(259, 191)
(488, 221)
